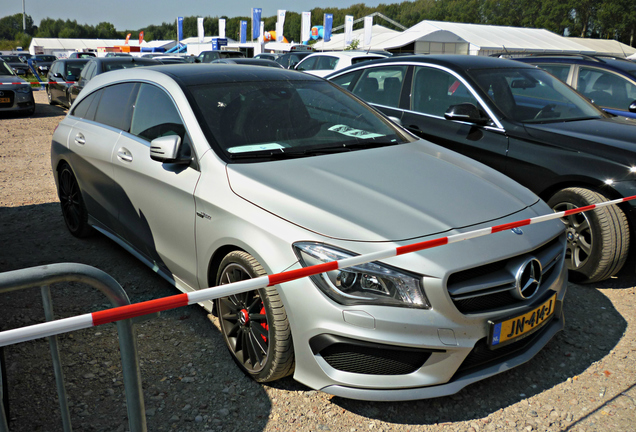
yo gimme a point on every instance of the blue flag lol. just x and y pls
(179, 29)
(243, 31)
(256, 22)
(326, 32)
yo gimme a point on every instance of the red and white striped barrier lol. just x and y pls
(79, 322)
(38, 82)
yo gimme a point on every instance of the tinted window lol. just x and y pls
(155, 115)
(606, 88)
(435, 90)
(115, 106)
(346, 79)
(381, 85)
(87, 107)
(558, 70)
(308, 64)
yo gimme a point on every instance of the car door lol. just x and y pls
(55, 78)
(433, 90)
(159, 222)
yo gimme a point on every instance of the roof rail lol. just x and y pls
(591, 57)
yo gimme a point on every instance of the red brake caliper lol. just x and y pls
(264, 324)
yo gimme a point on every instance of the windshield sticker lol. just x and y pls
(357, 133)
(255, 147)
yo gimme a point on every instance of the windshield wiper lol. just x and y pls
(290, 152)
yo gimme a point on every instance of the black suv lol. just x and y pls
(524, 122)
(208, 56)
(609, 81)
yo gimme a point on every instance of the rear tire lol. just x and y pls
(597, 240)
(254, 324)
(73, 207)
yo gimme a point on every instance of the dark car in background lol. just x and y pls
(208, 56)
(61, 76)
(291, 59)
(19, 67)
(249, 61)
(16, 94)
(98, 65)
(42, 63)
(610, 82)
(80, 54)
(527, 124)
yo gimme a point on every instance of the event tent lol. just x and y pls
(606, 46)
(59, 45)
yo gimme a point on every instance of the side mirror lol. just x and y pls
(466, 112)
(632, 107)
(57, 75)
(166, 150)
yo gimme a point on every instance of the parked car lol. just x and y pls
(171, 59)
(208, 56)
(527, 124)
(610, 82)
(324, 63)
(61, 76)
(42, 63)
(18, 66)
(81, 54)
(291, 59)
(214, 174)
(267, 56)
(16, 94)
(249, 61)
(99, 65)
(117, 54)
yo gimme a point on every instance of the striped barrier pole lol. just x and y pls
(38, 82)
(79, 322)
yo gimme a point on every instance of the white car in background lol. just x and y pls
(323, 63)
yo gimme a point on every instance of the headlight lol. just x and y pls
(372, 283)
(23, 89)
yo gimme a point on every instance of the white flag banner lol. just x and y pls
(200, 29)
(368, 30)
(280, 25)
(222, 28)
(260, 37)
(348, 29)
(305, 27)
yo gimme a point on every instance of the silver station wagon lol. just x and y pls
(212, 174)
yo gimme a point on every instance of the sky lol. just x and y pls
(134, 15)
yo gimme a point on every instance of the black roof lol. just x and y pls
(191, 74)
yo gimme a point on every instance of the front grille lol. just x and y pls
(490, 287)
(373, 361)
(7, 94)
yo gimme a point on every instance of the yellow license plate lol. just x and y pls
(5, 100)
(507, 331)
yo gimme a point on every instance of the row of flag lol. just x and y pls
(305, 32)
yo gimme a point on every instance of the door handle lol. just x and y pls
(124, 155)
(79, 139)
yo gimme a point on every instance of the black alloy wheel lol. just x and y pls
(73, 208)
(254, 323)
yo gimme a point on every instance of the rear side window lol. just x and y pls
(116, 105)
(86, 107)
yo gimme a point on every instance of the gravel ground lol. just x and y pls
(583, 381)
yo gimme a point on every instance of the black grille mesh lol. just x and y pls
(373, 360)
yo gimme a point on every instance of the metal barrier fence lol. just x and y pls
(44, 277)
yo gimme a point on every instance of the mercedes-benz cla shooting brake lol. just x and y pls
(212, 174)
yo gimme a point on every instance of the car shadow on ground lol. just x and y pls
(593, 328)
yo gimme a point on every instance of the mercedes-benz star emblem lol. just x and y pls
(528, 279)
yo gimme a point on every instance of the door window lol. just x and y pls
(606, 88)
(116, 104)
(381, 85)
(435, 90)
(558, 70)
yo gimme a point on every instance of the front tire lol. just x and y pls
(49, 96)
(597, 240)
(254, 324)
(73, 207)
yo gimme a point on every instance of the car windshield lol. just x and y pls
(280, 119)
(5, 69)
(533, 96)
(126, 64)
(12, 59)
(45, 58)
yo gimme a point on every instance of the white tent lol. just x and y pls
(59, 45)
(439, 37)
(606, 46)
(378, 35)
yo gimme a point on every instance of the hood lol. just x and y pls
(385, 194)
(603, 137)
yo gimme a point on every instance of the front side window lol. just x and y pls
(435, 91)
(606, 88)
(308, 64)
(277, 119)
(5, 69)
(561, 71)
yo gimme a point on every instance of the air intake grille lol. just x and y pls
(373, 360)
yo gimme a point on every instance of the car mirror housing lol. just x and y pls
(632, 107)
(166, 150)
(466, 112)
